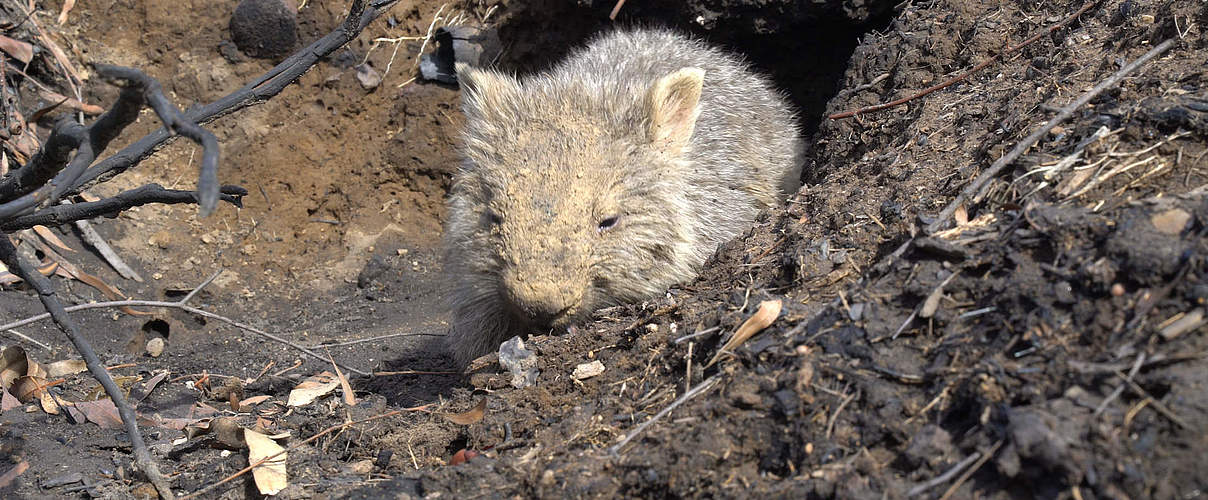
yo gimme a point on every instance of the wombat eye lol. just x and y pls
(494, 219)
(608, 223)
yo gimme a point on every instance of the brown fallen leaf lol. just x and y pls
(312, 388)
(768, 311)
(29, 388)
(52, 238)
(462, 456)
(21, 51)
(9, 475)
(69, 102)
(254, 400)
(472, 416)
(270, 477)
(8, 401)
(350, 398)
(140, 392)
(16, 363)
(67, 5)
(101, 412)
(65, 367)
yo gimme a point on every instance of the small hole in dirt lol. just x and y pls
(457, 445)
(157, 326)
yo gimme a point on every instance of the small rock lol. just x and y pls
(1171, 221)
(361, 467)
(265, 28)
(155, 347)
(547, 478)
(369, 77)
(588, 370)
(521, 362)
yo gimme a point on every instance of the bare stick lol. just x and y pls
(977, 187)
(946, 476)
(963, 76)
(190, 309)
(379, 337)
(700, 388)
(294, 446)
(54, 308)
(969, 472)
(27, 338)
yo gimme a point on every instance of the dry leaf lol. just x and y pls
(9, 475)
(65, 367)
(52, 238)
(312, 388)
(768, 311)
(21, 51)
(14, 363)
(961, 215)
(254, 400)
(69, 102)
(141, 391)
(473, 416)
(270, 476)
(101, 412)
(350, 398)
(8, 401)
(462, 456)
(67, 5)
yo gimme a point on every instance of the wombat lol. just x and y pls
(605, 180)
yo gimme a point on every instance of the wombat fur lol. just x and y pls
(605, 180)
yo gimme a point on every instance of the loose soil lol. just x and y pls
(1035, 350)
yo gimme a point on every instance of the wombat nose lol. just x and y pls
(542, 305)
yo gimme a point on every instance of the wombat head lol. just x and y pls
(571, 196)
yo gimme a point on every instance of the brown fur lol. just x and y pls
(606, 180)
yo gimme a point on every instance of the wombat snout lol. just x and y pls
(605, 180)
(540, 300)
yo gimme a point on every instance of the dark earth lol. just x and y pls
(1047, 342)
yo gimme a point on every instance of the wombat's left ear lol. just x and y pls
(673, 104)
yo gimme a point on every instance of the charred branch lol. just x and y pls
(109, 207)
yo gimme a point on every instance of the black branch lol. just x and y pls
(144, 195)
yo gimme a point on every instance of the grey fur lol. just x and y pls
(609, 132)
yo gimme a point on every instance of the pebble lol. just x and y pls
(155, 347)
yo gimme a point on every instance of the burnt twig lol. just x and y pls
(144, 195)
(27, 272)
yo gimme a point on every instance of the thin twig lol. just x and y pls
(969, 472)
(947, 475)
(190, 309)
(379, 337)
(294, 446)
(700, 388)
(830, 424)
(28, 338)
(957, 79)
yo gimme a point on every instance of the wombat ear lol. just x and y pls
(481, 86)
(673, 105)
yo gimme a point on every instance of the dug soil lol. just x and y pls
(1046, 338)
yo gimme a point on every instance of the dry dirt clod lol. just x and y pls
(588, 370)
(265, 28)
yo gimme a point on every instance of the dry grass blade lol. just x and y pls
(472, 416)
(768, 311)
(350, 398)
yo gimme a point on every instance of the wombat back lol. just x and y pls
(606, 180)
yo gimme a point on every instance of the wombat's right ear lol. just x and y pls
(482, 89)
(673, 104)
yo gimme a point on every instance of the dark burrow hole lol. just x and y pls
(157, 327)
(803, 46)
